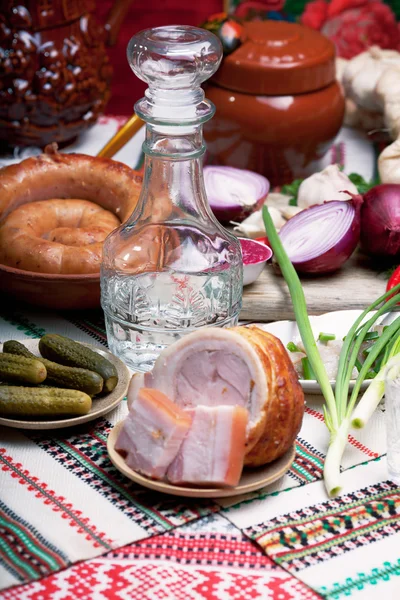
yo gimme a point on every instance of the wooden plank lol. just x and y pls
(356, 285)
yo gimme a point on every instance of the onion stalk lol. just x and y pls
(338, 407)
(375, 391)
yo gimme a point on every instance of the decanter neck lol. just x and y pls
(175, 112)
(174, 142)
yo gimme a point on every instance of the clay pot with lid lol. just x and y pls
(55, 74)
(279, 107)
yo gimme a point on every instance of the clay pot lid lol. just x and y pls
(278, 58)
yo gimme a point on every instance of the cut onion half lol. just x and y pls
(321, 238)
(234, 194)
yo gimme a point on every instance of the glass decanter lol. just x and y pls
(171, 267)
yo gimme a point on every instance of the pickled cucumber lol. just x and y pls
(19, 369)
(73, 378)
(70, 353)
(25, 402)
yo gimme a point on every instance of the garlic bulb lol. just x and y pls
(388, 86)
(392, 119)
(341, 64)
(359, 118)
(388, 92)
(351, 113)
(253, 226)
(389, 163)
(329, 184)
(363, 73)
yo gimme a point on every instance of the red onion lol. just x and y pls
(321, 238)
(380, 220)
(234, 194)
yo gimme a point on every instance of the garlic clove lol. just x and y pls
(277, 200)
(253, 226)
(290, 211)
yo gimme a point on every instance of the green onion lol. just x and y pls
(291, 346)
(376, 389)
(358, 365)
(367, 351)
(338, 408)
(303, 322)
(326, 337)
(308, 372)
(371, 335)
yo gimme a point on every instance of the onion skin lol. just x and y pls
(225, 214)
(380, 221)
(336, 256)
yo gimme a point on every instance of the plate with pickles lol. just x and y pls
(55, 382)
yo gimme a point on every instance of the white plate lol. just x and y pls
(338, 322)
(101, 405)
(251, 479)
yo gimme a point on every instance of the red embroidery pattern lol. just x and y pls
(173, 566)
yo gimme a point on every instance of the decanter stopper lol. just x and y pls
(174, 61)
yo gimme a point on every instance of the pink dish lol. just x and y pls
(255, 255)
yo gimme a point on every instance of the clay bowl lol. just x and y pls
(110, 184)
(48, 290)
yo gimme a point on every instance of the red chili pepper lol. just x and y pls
(393, 281)
(263, 240)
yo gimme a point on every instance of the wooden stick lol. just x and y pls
(122, 137)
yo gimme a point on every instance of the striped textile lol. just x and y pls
(343, 547)
(62, 501)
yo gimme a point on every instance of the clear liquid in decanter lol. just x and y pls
(171, 268)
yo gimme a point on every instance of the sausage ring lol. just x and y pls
(56, 236)
(111, 184)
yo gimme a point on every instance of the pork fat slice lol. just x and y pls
(152, 433)
(211, 367)
(212, 452)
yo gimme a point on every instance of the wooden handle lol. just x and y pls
(122, 136)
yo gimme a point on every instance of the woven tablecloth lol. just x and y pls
(62, 502)
(71, 526)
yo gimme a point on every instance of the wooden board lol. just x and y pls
(356, 285)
